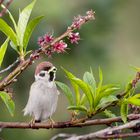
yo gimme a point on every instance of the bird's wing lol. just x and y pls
(34, 100)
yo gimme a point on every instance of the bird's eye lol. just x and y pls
(42, 74)
(54, 69)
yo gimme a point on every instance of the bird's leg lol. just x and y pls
(52, 122)
(73, 116)
(32, 122)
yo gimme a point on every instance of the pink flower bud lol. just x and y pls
(74, 37)
(40, 41)
(59, 47)
(48, 38)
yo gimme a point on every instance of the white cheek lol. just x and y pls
(38, 77)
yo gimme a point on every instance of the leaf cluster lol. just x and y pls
(89, 96)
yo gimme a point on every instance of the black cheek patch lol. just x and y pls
(42, 74)
(51, 76)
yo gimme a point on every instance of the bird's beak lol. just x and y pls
(53, 69)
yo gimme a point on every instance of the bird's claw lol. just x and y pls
(32, 123)
(52, 122)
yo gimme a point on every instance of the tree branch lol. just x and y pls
(35, 54)
(110, 132)
(67, 124)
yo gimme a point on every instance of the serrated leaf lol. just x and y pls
(66, 91)
(8, 102)
(74, 85)
(29, 29)
(7, 30)
(124, 111)
(23, 20)
(90, 80)
(3, 49)
(80, 108)
(106, 100)
(86, 90)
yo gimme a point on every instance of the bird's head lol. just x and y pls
(45, 71)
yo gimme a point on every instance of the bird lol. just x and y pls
(43, 96)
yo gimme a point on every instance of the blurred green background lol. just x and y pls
(111, 42)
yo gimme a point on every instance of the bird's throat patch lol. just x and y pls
(51, 76)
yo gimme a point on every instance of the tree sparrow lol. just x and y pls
(43, 96)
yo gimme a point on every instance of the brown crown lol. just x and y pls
(43, 66)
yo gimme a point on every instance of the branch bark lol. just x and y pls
(110, 132)
(67, 124)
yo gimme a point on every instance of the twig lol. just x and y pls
(6, 7)
(62, 135)
(67, 124)
(106, 133)
(120, 135)
(1, 1)
(10, 66)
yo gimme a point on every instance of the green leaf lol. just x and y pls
(109, 114)
(74, 85)
(79, 108)
(90, 80)
(11, 17)
(107, 91)
(106, 100)
(124, 111)
(23, 20)
(30, 27)
(83, 99)
(135, 100)
(3, 49)
(100, 78)
(8, 102)
(86, 89)
(7, 30)
(14, 47)
(128, 88)
(66, 91)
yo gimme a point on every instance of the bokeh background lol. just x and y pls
(111, 42)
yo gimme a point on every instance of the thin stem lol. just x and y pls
(6, 7)
(10, 66)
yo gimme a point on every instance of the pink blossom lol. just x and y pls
(77, 22)
(41, 41)
(74, 37)
(48, 38)
(49, 52)
(59, 47)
